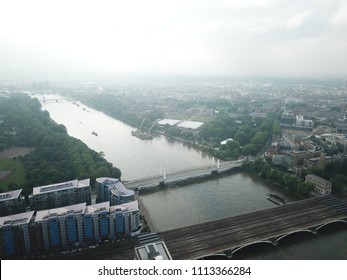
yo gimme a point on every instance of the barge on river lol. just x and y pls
(276, 199)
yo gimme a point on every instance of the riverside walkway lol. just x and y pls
(144, 212)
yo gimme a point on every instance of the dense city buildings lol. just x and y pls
(12, 202)
(61, 194)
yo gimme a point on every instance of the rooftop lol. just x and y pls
(180, 123)
(10, 195)
(190, 124)
(61, 186)
(16, 219)
(58, 212)
(168, 121)
(129, 206)
(151, 247)
(115, 186)
(96, 208)
(82, 208)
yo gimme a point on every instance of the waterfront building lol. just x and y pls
(67, 228)
(193, 125)
(114, 222)
(112, 190)
(15, 235)
(322, 186)
(12, 203)
(60, 227)
(278, 159)
(60, 195)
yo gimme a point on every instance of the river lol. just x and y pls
(205, 200)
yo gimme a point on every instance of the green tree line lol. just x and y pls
(249, 135)
(335, 172)
(56, 157)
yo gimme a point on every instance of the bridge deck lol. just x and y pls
(201, 240)
(180, 175)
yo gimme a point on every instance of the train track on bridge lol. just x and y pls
(268, 225)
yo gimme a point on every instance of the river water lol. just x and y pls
(177, 206)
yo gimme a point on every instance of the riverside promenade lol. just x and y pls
(145, 214)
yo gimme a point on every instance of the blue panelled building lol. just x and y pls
(61, 194)
(71, 225)
(12, 202)
(15, 234)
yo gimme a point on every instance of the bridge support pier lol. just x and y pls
(162, 184)
(274, 241)
(228, 254)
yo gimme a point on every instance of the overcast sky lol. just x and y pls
(67, 38)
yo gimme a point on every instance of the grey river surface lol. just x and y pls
(205, 200)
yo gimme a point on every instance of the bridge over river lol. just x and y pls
(226, 236)
(180, 175)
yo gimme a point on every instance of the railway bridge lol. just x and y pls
(227, 236)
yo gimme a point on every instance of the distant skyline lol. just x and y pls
(62, 39)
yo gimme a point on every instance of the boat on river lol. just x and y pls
(276, 199)
(141, 135)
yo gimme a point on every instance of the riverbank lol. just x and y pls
(173, 207)
(146, 217)
(273, 184)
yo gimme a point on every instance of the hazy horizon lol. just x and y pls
(43, 40)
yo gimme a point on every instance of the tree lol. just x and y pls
(232, 145)
(259, 139)
(264, 170)
(339, 182)
(102, 154)
(241, 137)
(290, 182)
(102, 172)
(304, 189)
(250, 149)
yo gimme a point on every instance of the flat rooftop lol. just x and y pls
(190, 124)
(129, 206)
(168, 121)
(82, 208)
(96, 208)
(16, 219)
(151, 247)
(180, 123)
(61, 186)
(10, 195)
(61, 211)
